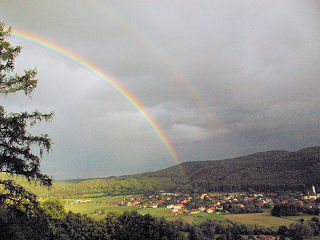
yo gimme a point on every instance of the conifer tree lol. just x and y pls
(20, 151)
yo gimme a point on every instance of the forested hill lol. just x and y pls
(272, 170)
(266, 171)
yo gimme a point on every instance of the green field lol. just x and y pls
(199, 218)
(104, 204)
(156, 212)
(264, 219)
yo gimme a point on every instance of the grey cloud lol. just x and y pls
(220, 78)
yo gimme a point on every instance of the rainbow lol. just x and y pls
(141, 37)
(106, 78)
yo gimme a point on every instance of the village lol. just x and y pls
(236, 203)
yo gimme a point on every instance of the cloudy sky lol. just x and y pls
(220, 78)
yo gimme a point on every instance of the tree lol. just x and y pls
(18, 147)
(54, 209)
(16, 155)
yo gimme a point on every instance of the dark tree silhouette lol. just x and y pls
(16, 143)
(18, 147)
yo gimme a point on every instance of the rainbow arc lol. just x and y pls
(106, 78)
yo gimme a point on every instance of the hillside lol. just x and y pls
(265, 171)
(273, 170)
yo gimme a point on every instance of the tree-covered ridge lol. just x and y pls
(267, 171)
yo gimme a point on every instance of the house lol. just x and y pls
(219, 208)
(241, 205)
(194, 211)
(181, 211)
(262, 237)
(260, 204)
(202, 209)
(174, 210)
(81, 201)
(210, 210)
(178, 206)
(203, 196)
(309, 197)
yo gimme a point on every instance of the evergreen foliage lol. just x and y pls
(17, 145)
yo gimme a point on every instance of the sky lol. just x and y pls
(220, 79)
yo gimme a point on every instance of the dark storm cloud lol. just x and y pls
(221, 78)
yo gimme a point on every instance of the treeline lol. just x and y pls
(16, 226)
(217, 230)
(53, 223)
(280, 210)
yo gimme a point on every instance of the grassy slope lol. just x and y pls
(261, 219)
(97, 204)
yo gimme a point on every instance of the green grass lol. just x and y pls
(199, 218)
(297, 218)
(191, 219)
(105, 204)
(262, 219)
(184, 218)
(156, 212)
(97, 204)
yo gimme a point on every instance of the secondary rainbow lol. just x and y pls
(107, 78)
(178, 75)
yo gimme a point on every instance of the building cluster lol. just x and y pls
(181, 203)
(80, 201)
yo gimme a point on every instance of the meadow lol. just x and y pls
(264, 219)
(103, 205)
(97, 205)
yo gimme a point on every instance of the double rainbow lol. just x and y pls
(106, 78)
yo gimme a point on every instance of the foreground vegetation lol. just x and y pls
(52, 222)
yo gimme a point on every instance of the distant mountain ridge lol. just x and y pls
(270, 170)
(262, 171)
